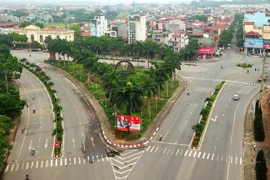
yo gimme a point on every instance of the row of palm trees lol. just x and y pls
(123, 91)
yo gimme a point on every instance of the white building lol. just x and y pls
(35, 33)
(98, 26)
(136, 28)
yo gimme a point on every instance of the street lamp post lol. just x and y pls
(262, 81)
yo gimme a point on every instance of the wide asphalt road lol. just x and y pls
(35, 130)
(220, 156)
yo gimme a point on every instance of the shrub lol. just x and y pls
(244, 65)
(259, 133)
(261, 168)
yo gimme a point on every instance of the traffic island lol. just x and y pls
(200, 128)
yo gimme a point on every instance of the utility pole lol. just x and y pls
(263, 77)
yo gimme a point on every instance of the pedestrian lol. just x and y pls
(255, 69)
(254, 146)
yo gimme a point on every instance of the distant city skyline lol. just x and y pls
(94, 1)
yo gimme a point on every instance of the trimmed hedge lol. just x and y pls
(258, 127)
(244, 65)
(199, 127)
(260, 167)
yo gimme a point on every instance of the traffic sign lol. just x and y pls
(57, 144)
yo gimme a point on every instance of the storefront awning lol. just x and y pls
(206, 50)
(266, 46)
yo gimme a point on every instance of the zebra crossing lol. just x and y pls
(194, 154)
(55, 162)
(220, 80)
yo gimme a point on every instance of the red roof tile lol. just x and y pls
(252, 33)
(248, 23)
(9, 24)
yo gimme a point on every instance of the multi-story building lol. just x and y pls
(178, 41)
(136, 28)
(161, 37)
(120, 28)
(35, 33)
(98, 26)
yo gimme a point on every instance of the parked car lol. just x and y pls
(236, 97)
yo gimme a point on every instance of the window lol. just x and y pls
(57, 37)
(41, 38)
(32, 37)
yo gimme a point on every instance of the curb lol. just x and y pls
(130, 146)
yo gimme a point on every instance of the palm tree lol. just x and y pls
(150, 87)
(130, 96)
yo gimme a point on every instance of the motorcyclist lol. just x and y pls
(32, 151)
(27, 177)
(160, 137)
(34, 110)
(188, 93)
(221, 67)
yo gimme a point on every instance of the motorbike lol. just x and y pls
(33, 152)
(188, 93)
(27, 177)
(160, 138)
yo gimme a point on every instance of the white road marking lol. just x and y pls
(148, 148)
(240, 161)
(74, 160)
(88, 159)
(177, 152)
(22, 166)
(194, 154)
(37, 164)
(32, 164)
(84, 161)
(97, 158)
(7, 168)
(213, 156)
(12, 167)
(56, 162)
(217, 157)
(41, 164)
(79, 160)
(199, 154)
(61, 162)
(93, 159)
(165, 135)
(186, 153)
(203, 155)
(27, 165)
(65, 161)
(51, 163)
(107, 158)
(152, 148)
(222, 158)
(231, 159)
(46, 163)
(172, 152)
(215, 147)
(102, 158)
(156, 149)
(17, 167)
(208, 155)
(164, 150)
(181, 152)
(236, 160)
(168, 151)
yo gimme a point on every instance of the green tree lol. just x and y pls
(259, 133)
(260, 167)
(130, 95)
(226, 37)
(39, 24)
(77, 30)
(24, 24)
(202, 17)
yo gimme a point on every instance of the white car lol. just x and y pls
(236, 97)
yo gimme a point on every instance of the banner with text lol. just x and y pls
(129, 123)
(253, 43)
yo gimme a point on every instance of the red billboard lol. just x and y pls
(128, 123)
